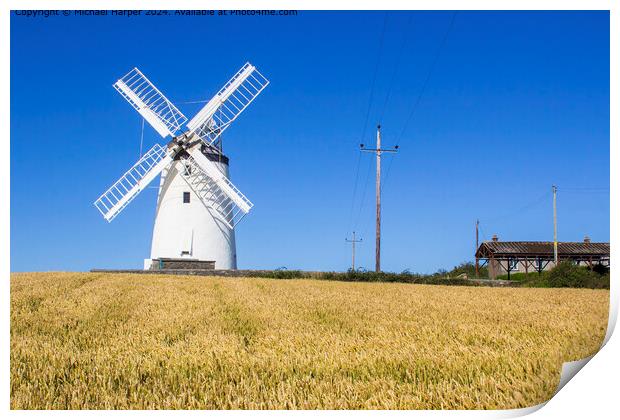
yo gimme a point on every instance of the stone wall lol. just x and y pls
(181, 264)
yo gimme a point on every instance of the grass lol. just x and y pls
(102, 341)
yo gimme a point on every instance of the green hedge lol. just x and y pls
(459, 275)
(566, 274)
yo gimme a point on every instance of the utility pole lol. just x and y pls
(476, 254)
(555, 225)
(353, 241)
(378, 151)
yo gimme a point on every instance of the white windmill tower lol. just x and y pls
(197, 205)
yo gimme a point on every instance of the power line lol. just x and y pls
(387, 172)
(357, 171)
(586, 187)
(417, 103)
(585, 190)
(481, 232)
(387, 175)
(359, 214)
(521, 209)
(606, 192)
(363, 136)
(428, 77)
(374, 78)
(396, 66)
(415, 106)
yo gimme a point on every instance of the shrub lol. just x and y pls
(600, 269)
(568, 274)
(522, 277)
(469, 269)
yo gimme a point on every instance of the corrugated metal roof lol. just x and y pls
(543, 248)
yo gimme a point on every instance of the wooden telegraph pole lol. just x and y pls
(476, 254)
(555, 225)
(378, 151)
(378, 194)
(353, 241)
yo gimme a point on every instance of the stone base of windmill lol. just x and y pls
(157, 264)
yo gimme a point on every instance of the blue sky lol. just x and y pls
(516, 102)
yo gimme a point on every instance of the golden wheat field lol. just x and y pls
(84, 340)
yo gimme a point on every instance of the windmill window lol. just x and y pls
(186, 197)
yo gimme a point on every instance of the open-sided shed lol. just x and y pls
(515, 256)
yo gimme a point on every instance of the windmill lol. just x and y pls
(197, 204)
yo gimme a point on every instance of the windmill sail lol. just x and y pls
(215, 189)
(163, 116)
(119, 195)
(228, 103)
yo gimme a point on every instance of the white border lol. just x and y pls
(592, 393)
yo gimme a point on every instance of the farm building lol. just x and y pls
(523, 257)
